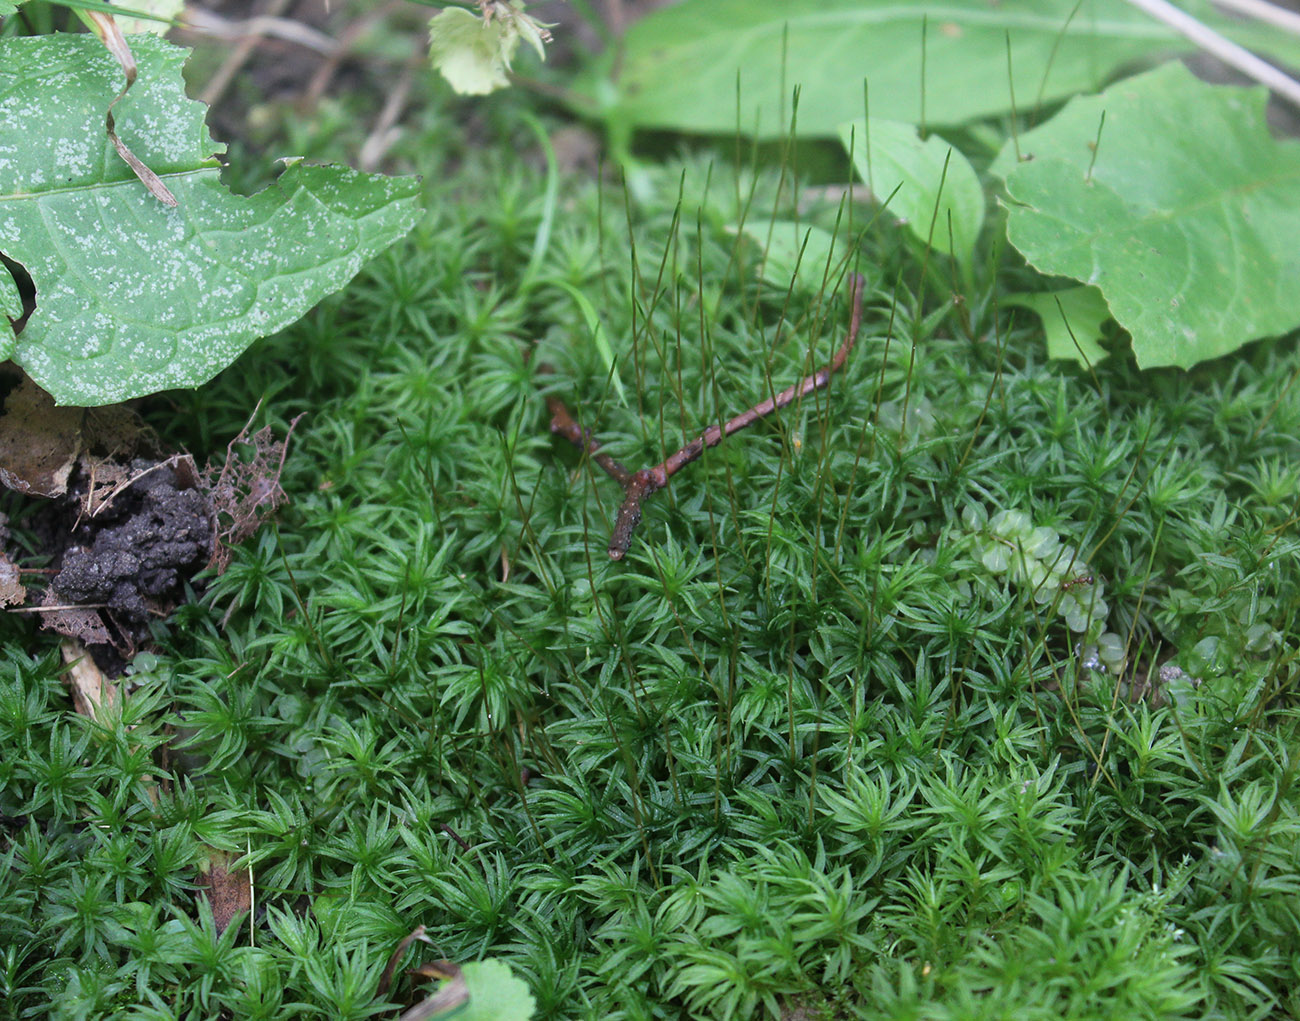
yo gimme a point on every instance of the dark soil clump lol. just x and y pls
(126, 563)
(137, 553)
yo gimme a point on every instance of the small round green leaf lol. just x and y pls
(1183, 211)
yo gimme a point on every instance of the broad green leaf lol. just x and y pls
(1186, 221)
(133, 297)
(680, 67)
(495, 993)
(11, 305)
(165, 9)
(896, 164)
(1072, 321)
(810, 256)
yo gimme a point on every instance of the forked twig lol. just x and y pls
(639, 485)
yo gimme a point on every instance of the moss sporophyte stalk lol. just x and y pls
(961, 681)
(639, 485)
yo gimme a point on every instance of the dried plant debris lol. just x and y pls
(246, 490)
(228, 891)
(130, 561)
(91, 690)
(39, 443)
(12, 591)
(123, 536)
(82, 623)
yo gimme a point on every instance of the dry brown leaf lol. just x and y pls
(453, 994)
(246, 492)
(39, 442)
(12, 592)
(81, 623)
(230, 892)
(104, 480)
(117, 431)
(386, 979)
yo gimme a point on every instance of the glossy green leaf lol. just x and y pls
(131, 296)
(685, 66)
(1186, 220)
(1072, 321)
(930, 186)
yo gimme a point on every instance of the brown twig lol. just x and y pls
(238, 57)
(562, 424)
(464, 844)
(639, 485)
(385, 132)
(386, 979)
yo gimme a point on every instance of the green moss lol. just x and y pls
(804, 745)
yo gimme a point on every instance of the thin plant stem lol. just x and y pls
(639, 485)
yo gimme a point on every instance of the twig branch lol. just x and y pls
(562, 424)
(202, 21)
(238, 57)
(1262, 10)
(1225, 49)
(639, 485)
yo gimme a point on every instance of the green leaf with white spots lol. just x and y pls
(1184, 215)
(133, 297)
(11, 302)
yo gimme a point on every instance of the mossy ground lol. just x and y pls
(802, 747)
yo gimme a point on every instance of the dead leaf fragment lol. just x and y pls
(12, 592)
(39, 442)
(230, 892)
(450, 997)
(81, 623)
(246, 492)
(91, 691)
(117, 431)
(386, 979)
